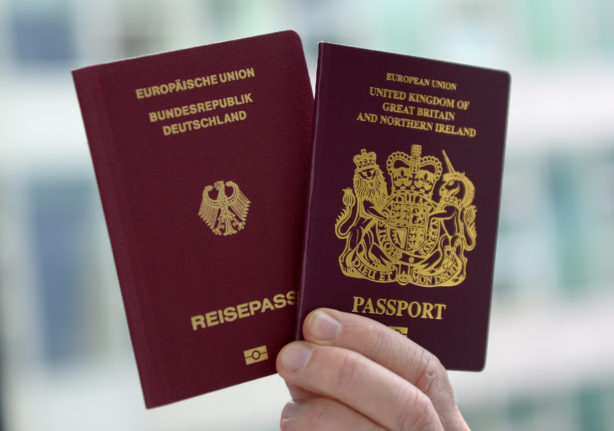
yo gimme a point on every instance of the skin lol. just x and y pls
(352, 373)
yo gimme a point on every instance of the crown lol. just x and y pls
(365, 160)
(413, 171)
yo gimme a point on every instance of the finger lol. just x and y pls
(365, 386)
(323, 414)
(299, 394)
(390, 349)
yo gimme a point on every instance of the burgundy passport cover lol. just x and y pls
(202, 160)
(404, 196)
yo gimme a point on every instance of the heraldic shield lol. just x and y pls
(407, 236)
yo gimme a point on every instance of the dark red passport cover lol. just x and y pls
(202, 160)
(404, 196)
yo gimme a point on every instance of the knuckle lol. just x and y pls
(418, 413)
(348, 371)
(375, 339)
(430, 371)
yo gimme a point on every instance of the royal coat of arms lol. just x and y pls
(406, 236)
(225, 214)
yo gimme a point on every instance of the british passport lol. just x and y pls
(202, 160)
(404, 196)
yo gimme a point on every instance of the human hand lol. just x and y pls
(353, 373)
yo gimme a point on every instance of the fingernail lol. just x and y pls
(287, 422)
(289, 410)
(295, 356)
(323, 326)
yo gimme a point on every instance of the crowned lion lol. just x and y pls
(363, 208)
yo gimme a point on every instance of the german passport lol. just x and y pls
(202, 160)
(404, 196)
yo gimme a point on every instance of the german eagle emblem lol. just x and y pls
(407, 236)
(224, 214)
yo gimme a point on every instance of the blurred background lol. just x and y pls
(65, 357)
